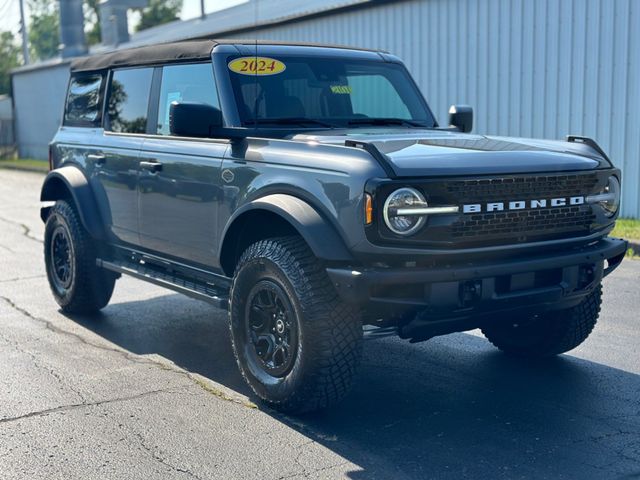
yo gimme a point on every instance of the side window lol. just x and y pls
(84, 101)
(129, 100)
(388, 103)
(187, 83)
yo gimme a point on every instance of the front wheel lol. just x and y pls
(551, 333)
(296, 343)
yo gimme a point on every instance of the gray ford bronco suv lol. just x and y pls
(310, 191)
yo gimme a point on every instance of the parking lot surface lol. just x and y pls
(149, 389)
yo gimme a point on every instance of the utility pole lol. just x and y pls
(202, 12)
(23, 30)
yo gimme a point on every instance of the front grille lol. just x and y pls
(505, 226)
(538, 222)
(521, 187)
(499, 227)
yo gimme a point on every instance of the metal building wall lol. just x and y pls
(533, 68)
(39, 95)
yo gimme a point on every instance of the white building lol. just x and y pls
(533, 68)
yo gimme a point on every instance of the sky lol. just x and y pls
(191, 8)
(10, 11)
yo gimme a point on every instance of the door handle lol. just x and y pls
(97, 158)
(153, 167)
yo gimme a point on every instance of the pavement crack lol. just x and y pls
(18, 279)
(304, 471)
(53, 328)
(50, 371)
(300, 451)
(152, 451)
(26, 230)
(131, 357)
(41, 366)
(4, 247)
(72, 406)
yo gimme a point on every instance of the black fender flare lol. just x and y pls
(321, 236)
(70, 181)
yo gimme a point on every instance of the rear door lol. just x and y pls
(114, 162)
(180, 184)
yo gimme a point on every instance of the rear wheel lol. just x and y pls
(296, 343)
(551, 333)
(77, 283)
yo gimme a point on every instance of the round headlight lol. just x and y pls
(404, 198)
(611, 197)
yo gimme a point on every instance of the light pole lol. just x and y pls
(23, 30)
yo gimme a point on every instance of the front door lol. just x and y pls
(180, 184)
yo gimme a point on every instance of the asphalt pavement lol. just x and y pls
(149, 390)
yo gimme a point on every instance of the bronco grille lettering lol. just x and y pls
(522, 204)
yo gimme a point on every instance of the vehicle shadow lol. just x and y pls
(452, 407)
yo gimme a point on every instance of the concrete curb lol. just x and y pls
(23, 169)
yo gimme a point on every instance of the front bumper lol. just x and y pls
(553, 280)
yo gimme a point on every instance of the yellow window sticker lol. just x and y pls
(256, 66)
(341, 89)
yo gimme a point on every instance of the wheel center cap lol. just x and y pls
(279, 326)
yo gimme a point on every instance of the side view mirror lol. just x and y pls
(461, 117)
(192, 119)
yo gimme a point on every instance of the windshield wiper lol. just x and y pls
(290, 121)
(385, 121)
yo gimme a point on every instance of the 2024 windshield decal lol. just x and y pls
(256, 66)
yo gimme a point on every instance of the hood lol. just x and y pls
(414, 153)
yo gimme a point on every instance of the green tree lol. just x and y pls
(44, 29)
(159, 12)
(10, 58)
(92, 22)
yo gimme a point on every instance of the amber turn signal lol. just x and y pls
(368, 209)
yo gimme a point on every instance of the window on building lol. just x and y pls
(84, 101)
(185, 83)
(129, 100)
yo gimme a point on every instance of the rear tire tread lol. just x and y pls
(563, 330)
(92, 286)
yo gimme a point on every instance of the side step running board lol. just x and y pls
(193, 288)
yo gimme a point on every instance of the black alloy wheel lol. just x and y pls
(271, 328)
(61, 258)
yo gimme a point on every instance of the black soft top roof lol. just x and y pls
(147, 55)
(182, 51)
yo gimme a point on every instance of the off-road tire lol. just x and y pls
(329, 330)
(90, 287)
(552, 333)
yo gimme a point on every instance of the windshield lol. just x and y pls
(325, 93)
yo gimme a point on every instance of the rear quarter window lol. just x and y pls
(84, 101)
(128, 102)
